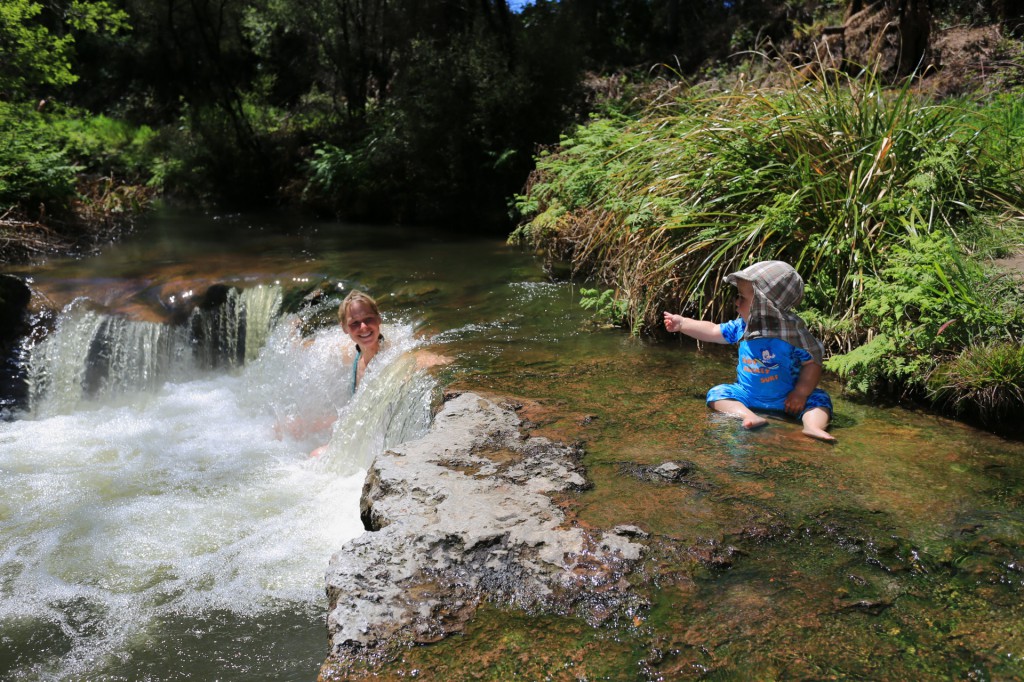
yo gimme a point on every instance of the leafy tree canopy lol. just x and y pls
(36, 42)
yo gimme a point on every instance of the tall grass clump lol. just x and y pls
(830, 173)
(984, 382)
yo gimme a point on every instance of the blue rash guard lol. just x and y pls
(766, 372)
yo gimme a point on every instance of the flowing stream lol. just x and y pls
(162, 520)
(161, 516)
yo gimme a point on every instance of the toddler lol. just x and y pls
(779, 359)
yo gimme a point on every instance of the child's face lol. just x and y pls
(744, 297)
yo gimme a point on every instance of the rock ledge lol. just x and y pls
(466, 514)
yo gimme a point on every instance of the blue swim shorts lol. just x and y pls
(818, 398)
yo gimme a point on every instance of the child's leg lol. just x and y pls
(815, 421)
(738, 409)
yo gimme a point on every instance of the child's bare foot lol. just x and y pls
(753, 421)
(815, 421)
(819, 434)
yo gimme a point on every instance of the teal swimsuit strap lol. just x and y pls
(355, 369)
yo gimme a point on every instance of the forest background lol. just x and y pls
(649, 145)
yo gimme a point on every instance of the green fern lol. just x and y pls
(607, 308)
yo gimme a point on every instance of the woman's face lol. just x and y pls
(744, 297)
(362, 325)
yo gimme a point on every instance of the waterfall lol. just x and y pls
(93, 356)
(261, 305)
(218, 329)
(137, 356)
(124, 518)
(392, 406)
(57, 367)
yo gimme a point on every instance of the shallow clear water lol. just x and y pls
(181, 531)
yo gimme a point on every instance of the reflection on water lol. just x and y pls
(177, 530)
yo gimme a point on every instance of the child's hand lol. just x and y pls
(701, 330)
(673, 323)
(795, 403)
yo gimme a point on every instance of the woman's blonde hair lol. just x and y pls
(354, 297)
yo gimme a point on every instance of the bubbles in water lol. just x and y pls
(195, 498)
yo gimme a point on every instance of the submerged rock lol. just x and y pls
(462, 515)
(15, 296)
(677, 471)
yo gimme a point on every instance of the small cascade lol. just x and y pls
(58, 366)
(261, 304)
(218, 329)
(94, 355)
(391, 406)
(135, 356)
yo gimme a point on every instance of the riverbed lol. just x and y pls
(174, 531)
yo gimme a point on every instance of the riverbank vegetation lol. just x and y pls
(892, 204)
(701, 136)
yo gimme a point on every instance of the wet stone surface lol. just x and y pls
(465, 515)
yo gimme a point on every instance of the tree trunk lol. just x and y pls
(891, 35)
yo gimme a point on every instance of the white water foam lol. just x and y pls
(191, 500)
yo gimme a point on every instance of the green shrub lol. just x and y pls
(33, 166)
(926, 304)
(335, 175)
(984, 382)
(608, 309)
(107, 146)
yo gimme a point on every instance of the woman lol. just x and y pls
(359, 316)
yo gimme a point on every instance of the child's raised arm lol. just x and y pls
(702, 330)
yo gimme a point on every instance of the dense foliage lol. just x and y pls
(377, 109)
(887, 203)
(433, 111)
